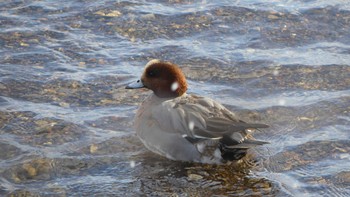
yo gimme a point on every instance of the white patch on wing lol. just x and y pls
(191, 125)
(174, 86)
(201, 137)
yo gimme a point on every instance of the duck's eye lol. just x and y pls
(152, 73)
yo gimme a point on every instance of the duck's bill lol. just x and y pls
(135, 85)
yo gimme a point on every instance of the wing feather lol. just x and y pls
(202, 118)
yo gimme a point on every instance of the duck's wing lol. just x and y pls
(197, 118)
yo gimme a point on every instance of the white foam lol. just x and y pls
(281, 102)
(132, 164)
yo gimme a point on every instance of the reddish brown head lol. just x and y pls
(165, 79)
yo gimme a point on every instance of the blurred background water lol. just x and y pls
(66, 119)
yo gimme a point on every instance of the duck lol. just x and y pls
(188, 127)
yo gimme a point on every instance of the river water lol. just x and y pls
(66, 119)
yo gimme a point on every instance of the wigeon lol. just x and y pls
(187, 127)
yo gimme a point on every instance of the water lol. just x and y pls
(66, 119)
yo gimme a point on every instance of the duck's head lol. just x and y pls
(165, 79)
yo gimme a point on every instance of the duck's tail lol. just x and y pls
(232, 149)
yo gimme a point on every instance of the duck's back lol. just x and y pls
(191, 125)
